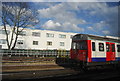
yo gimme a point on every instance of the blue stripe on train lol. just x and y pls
(103, 59)
(118, 59)
(98, 59)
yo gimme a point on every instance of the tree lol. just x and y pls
(18, 15)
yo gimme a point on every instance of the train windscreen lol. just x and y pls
(80, 45)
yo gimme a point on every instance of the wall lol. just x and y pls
(42, 40)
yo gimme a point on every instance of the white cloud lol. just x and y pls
(72, 27)
(106, 32)
(61, 13)
(52, 25)
(99, 28)
(109, 15)
(100, 25)
(59, 0)
(65, 15)
(90, 28)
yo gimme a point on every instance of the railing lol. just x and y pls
(40, 53)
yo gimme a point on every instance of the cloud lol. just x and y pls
(100, 25)
(100, 28)
(52, 25)
(108, 16)
(72, 15)
(61, 13)
(106, 32)
(72, 27)
(90, 28)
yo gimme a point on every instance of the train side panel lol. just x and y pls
(98, 51)
(95, 50)
(117, 45)
(101, 55)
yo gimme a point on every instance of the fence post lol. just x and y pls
(64, 52)
(27, 54)
(10, 53)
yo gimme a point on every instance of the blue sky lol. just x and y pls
(98, 18)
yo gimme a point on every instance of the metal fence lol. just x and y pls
(40, 53)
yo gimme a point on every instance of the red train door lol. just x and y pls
(82, 52)
(110, 51)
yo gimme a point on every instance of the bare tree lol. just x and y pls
(18, 15)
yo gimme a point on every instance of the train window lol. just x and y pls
(74, 45)
(107, 47)
(113, 48)
(93, 46)
(83, 45)
(77, 45)
(101, 47)
(118, 48)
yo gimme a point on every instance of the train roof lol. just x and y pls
(95, 37)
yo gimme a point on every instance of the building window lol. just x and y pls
(71, 36)
(49, 43)
(62, 36)
(49, 35)
(3, 32)
(37, 34)
(93, 46)
(101, 47)
(118, 48)
(23, 33)
(62, 44)
(2, 41)
(35, 42)
(19, 41)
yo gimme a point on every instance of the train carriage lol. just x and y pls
(95, 50)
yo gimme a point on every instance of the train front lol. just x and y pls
(80, 49)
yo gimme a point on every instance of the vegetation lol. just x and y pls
(18, 15)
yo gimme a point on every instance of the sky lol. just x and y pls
(97, 18)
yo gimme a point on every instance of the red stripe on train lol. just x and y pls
(89, 50)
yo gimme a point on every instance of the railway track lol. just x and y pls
(18, 68)
(46, 72)
(94, 75)
(40, 74)
(63, 74)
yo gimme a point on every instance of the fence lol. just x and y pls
(40, 53)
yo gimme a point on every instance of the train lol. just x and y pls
(92, 50)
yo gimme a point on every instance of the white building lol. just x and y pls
(38, 39)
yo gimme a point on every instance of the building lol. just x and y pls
(38, 39)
